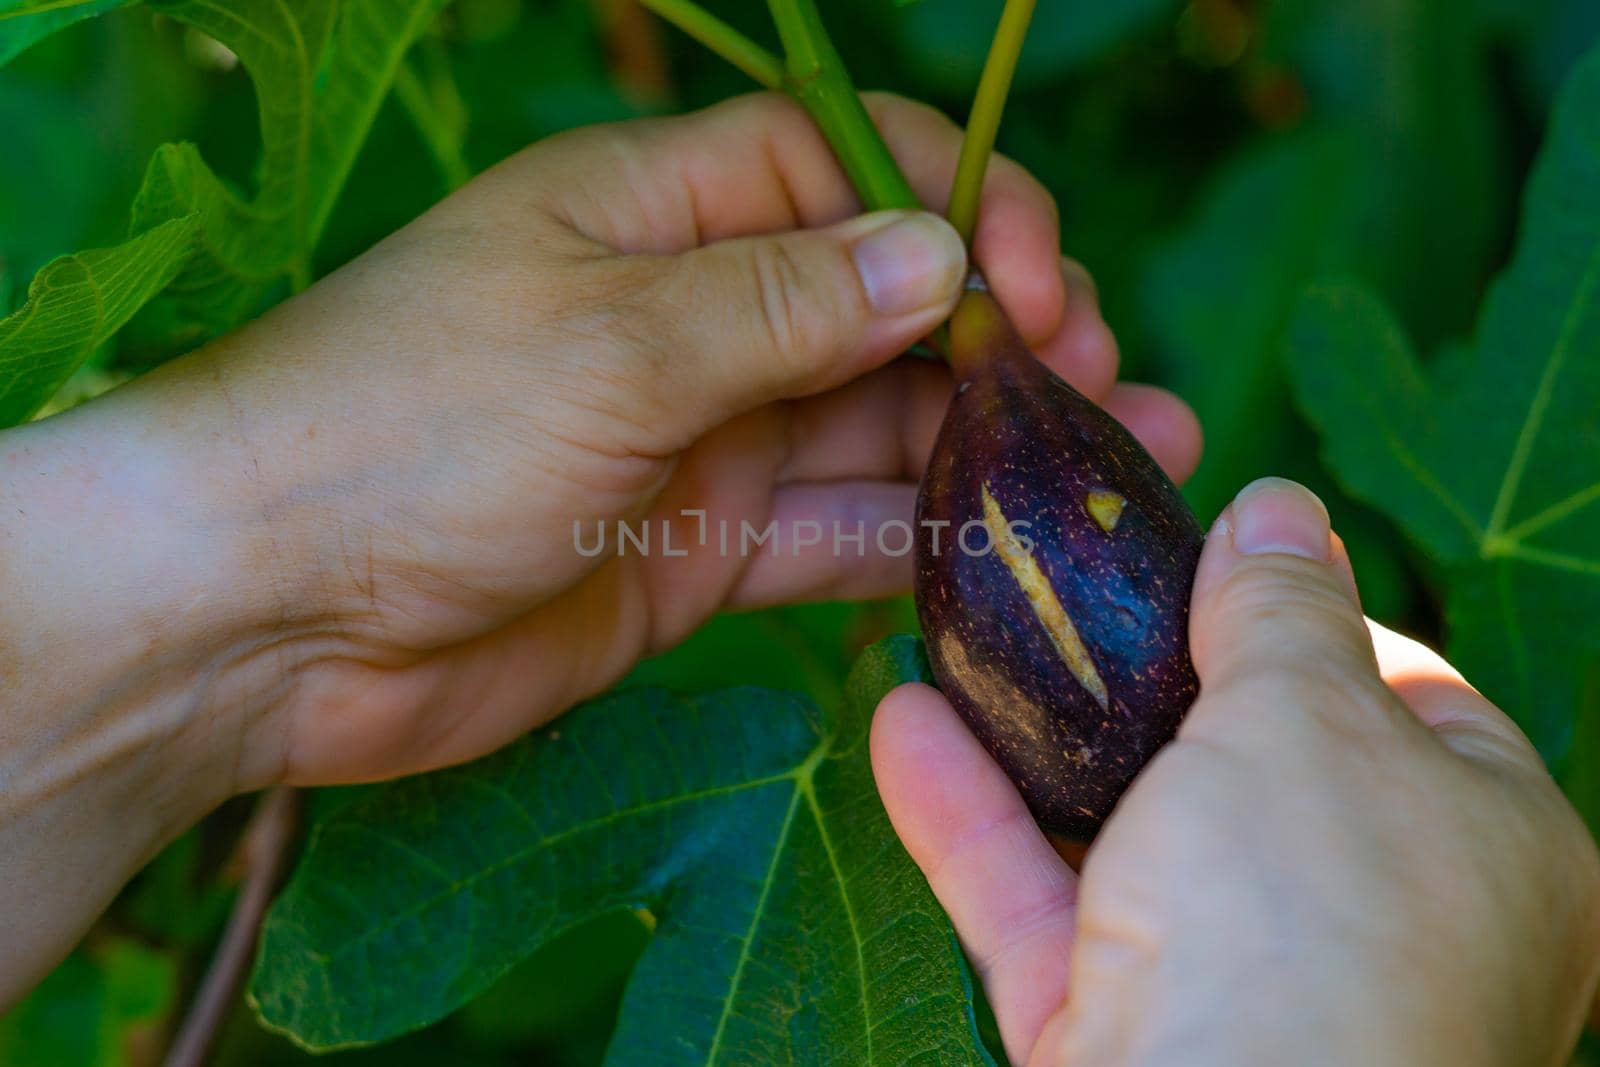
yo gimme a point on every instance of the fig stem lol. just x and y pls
(813, 73)
(983, 124)
(722, 39)
(818, 80)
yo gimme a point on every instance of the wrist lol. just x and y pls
(139, 610)
(140, 667)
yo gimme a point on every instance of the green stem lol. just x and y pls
(984, 122)
(816, 77)
(818, 80)
(722, 39)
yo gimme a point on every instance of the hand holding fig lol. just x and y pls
(1346, 856)
(1054, 562)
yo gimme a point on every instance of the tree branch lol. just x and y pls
(264, 850)
(818, 79)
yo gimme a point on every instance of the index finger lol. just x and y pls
(1010, 897)
(1445, 702)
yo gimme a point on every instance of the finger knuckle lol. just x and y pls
(1277, 590)
(598, 143)
(616, 340)
(788, 331)
(759, 109)
(882, 105)
(1276, 686)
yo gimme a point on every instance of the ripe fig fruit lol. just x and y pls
(1054, 564)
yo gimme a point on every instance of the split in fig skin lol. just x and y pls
(1064, 646)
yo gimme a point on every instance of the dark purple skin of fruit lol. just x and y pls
(1042, 448)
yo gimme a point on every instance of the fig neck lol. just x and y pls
(981, 334)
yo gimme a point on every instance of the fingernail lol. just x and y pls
(1276, 515)
(908, 261)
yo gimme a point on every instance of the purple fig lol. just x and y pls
(1054, 563)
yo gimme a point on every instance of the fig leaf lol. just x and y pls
(789, 924)
(1489, 457)
(211, 256)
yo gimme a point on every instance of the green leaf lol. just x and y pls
(1219, 296)
(1217, 299)
(1410, 82)
(1358, 192)
(1491, 457)
(801, 648)
(1391, 179)
(1549, 36)
(75, 305)
(566, 994)
(45, 183)
(84, 1012)
(24, 22)
(320, 71)
(790, 924)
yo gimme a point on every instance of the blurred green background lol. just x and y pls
(1209, 158)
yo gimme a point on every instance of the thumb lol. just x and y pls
(784, 315)
(1274, 599)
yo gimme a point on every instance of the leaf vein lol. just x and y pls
(1534, 422)
(750, 932)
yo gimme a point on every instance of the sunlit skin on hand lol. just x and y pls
(1348, 856)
